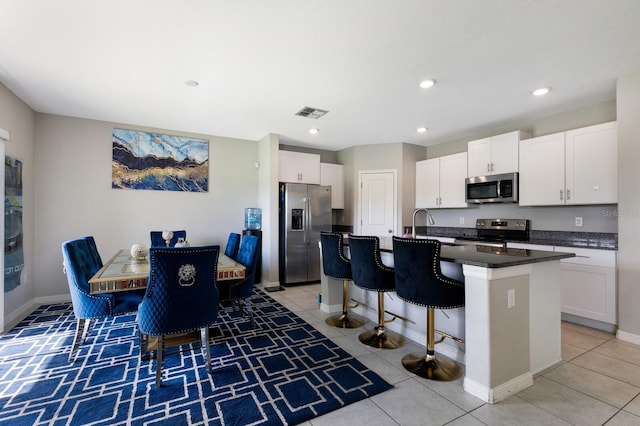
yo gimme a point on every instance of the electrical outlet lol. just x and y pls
(511, 298)
(461, 220)
(578, 221)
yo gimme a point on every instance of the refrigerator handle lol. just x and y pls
(307, 219)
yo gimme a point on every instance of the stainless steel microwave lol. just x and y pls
(501, 188)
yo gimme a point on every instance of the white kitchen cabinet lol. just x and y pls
(299, 167)
(542, 170)
(589, 284)
(570, 168)
(592, 164)
(333, 175)
(495, 155)
(440, 182)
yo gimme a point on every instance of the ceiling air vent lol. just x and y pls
(311, 112)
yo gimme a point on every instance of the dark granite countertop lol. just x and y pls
(592, 240)
(494, 257)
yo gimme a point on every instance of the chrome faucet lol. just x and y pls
(429, 220)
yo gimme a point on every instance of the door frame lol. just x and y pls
(358, 207)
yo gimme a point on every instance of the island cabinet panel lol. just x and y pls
(576, 167)
(440, 182)
(298, 167)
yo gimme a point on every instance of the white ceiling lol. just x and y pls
(259, 62)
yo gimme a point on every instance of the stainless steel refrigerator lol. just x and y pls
(305, 211)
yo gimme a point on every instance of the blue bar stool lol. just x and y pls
(370, 273)
(337, 266)
(419, 280)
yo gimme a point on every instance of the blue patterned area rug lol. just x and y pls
(282, 371)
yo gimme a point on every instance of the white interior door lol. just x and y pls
(378, 205)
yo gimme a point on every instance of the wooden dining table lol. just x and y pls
(124, 273)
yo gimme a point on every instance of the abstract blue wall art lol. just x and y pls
(145, 160)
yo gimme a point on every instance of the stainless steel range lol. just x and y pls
(496, 232)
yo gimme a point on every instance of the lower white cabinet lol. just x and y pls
(589, 284)
(589, 287)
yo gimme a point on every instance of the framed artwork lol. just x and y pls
(154, 161)
(13, 248)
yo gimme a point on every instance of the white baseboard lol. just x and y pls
(628, 337)
(25, 309)
(500, 392)
(330, 309)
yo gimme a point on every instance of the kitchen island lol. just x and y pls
(510, 322)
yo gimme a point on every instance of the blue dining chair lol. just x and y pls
(240, 290)
(233, 245)
(81, 261)
(181, 297)
(158, 241)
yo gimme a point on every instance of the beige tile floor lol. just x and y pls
(598, 383)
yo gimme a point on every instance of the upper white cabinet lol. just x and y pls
(298, 167)
(574, 167)
(495, 155)
(333, 175)
(440, 182)
(592, 164)
(542, 170)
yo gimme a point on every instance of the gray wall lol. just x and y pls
(17, 118)
(74, 195)
(628, 96)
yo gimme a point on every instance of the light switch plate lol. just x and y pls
(578, 221)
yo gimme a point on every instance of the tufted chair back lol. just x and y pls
(81, 261)
(80, 265)
(367, 268)
(93, 249)
(334, 262)
(158, 241)
(233, 244)
(181, 292)
(248, 256)
(419, 278)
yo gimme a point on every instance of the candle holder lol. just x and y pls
(167, 236)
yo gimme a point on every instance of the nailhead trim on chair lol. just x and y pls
(341, 255)
(434, 265)
(377, 259)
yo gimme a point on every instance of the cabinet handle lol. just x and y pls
(439, 201)
(488, 167)
(491, 166)
(436, 201)
(561, 195)
(568, 194)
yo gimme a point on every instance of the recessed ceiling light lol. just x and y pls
(191, 83)
(541, 91)
(425, 84)
(422, 129)
(314, 131)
